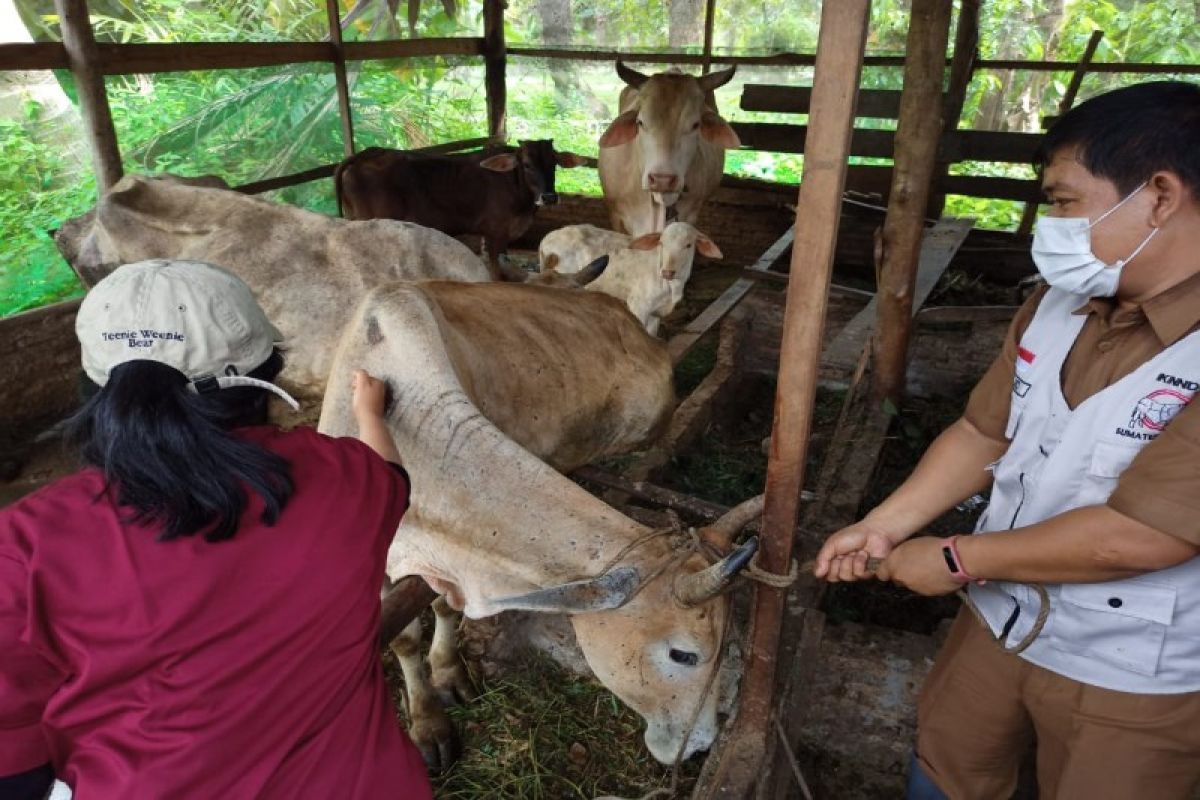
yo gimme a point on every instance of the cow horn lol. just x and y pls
(605, 592)
(694, 589)
(632, 76)
(714, 80)
(721, 533)
(590, 272)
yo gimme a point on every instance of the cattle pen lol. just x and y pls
(828, 365)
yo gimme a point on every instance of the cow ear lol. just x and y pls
(611, 590)
(505, 162)
(716, 130)
(621, 130)
(706, 246)
(569, 160)
(647, 241)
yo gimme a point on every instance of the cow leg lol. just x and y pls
(429, 726)
(448, 675)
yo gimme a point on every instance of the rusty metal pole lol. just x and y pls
(818, 211)
(918, 134)
(84, 59)
(339, 75)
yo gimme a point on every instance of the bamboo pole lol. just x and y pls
(917, 135)
(339, 75)
(818, 211)
(494, 61)
(84, 62)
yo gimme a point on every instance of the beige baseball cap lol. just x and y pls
(190, 315)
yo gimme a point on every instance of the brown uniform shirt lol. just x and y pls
(1161, 488)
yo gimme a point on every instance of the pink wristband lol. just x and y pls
(958, 570)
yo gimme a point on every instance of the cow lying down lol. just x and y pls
(648, 273)
(307, 270)
(487, 407)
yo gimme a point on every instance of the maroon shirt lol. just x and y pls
(247, 668)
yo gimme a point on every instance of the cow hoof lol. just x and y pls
(437, 742)
(452, 683)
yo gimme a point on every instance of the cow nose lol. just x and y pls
(550, 198)
(663, 182)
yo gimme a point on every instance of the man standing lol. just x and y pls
(1083, 429)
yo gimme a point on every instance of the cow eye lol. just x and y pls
(684, 657)
(641, 124)
(696, 126)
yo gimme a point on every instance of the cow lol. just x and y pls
(650, 275)
(495, 197)
(567, 249)
(308, 270)
(489, 409)
(666, 148)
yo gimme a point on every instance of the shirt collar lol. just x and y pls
(1172, 314)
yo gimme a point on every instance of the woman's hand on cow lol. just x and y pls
(370, 396)
(919, 566)
(845, 554)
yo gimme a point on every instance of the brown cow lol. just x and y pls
(491, 198)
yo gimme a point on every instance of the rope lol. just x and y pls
(772, 579)
(1038, 624)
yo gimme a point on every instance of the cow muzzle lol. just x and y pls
(662, 182)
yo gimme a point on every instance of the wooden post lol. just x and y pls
(494, 58)
(917, 135)
(962, 68)
(339, 76)
(836, 77)
(710, 13)
(84, 61)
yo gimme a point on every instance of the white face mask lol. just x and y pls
(1062, 251)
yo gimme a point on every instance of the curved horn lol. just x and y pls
(721, 533)
(716, 79)
(694, 589)
(611, 590)
(590, 272)
(632, 76)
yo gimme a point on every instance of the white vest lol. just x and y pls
(1140, 634)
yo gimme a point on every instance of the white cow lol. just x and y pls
(307, 270)
(487, 406)
(650, 276)
(568, 249)
(666, 148)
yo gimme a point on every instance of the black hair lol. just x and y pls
(169, 455)
(1128, 134)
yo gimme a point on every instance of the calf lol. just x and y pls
(494, 198)
(567, 249)
(649, 276)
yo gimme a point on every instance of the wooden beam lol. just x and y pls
(710, 15)
(38, 55)
(872, 103)
(938, 247)
(334, 15)
(84, 61)
(494, 67)
(916, 160)
(962, 68)
(969, 145)
(738, 763)
(683, 341)
(410, 48)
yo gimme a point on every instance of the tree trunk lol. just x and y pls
(686, 23)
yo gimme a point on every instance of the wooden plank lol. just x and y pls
(326, 170)
(912, 178)
(85, 65)
(334, 18)
(683, 341)
(962, 69)
(31, 56)
(710, 15)
(737, 768)
(1068, 98)
(938, 247)
(872, 103)
(412, 48)
(494, 63)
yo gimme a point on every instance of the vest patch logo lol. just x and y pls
(1180, 383)
(1021, 386)
(1152, 413)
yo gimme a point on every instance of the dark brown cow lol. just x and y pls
(495, 197)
